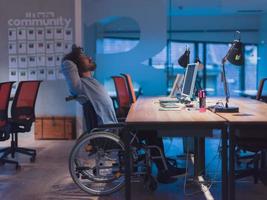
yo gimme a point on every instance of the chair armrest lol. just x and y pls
(115, 125)
(261, 85)
(121, 119)
(70, 98)
(104, 127)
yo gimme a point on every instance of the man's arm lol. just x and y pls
(70, 71)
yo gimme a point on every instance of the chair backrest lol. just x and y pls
(90, 116)
(130, 87)
(5, 90)
(24, 101)
(261, 85)
(122, 91)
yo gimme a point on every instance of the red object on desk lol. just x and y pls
(202, 100)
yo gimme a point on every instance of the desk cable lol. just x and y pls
(199, 182)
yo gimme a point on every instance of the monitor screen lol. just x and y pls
(189, 80)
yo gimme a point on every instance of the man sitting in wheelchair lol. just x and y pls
(77, 69)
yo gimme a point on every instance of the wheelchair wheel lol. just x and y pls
(150, 183)
(95, 163)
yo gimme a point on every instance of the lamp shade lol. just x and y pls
(235, 54)
(184, 59)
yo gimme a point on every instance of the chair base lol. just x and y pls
(5, 160)
(13, 149)
(249, 160)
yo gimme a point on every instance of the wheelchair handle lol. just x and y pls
(70, 98)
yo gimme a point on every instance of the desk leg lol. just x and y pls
(263, 159)
(224, 165)
(232, 164)
(199, 156)
(126, 140)
(196, 157)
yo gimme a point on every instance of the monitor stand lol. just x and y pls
(183, 99)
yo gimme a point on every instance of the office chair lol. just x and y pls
(260, 89)
(5, 90)
(123, 96)
(130, 87)
(22, 117)
(257, 146)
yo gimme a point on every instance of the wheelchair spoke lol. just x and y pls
(95, 163)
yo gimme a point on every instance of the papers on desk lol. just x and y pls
(169, 106)
(170, 109)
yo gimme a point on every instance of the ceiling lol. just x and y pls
(218, 7)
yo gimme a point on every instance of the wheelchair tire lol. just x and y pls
(150, 184)
(92, 161)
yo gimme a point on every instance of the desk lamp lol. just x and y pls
(184, 59)
(236, 57)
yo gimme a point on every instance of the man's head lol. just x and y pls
(84, 63)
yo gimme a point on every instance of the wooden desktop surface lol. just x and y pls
(250, 111)
(147, 110)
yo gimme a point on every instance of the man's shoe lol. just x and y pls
(171, 175)
(163, 177)
(175, 172)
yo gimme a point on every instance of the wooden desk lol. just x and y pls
(145, 114)
(251, 121)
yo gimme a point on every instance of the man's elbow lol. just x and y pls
(76, 90)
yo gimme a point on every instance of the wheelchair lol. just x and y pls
(96, 162)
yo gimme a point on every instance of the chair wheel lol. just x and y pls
(151, 184)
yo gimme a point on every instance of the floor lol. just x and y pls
(48, 177)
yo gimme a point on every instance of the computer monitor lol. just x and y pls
(189, 80)
(177, 86)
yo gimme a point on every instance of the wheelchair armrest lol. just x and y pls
(115, 125)
(121, 119)
(70, 98)
(75, 97)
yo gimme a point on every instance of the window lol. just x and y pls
(214, 55)
(114, 45)
(159, 61)
(111, 45)
(211, 53)
(178, 49)
(214, 86)
(251, 54)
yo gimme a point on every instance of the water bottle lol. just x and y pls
(202, 100)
